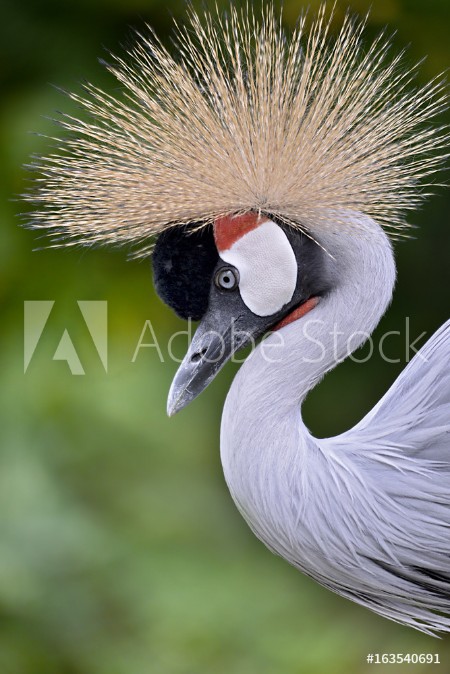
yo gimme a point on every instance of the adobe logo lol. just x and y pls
(95, 316)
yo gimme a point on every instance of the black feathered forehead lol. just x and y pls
(184, 259)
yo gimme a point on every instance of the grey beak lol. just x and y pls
(210, 349)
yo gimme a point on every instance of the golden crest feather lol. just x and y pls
(244, 118)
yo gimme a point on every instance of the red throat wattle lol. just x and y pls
(297, 313)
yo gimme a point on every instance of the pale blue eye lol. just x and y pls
(227, 278)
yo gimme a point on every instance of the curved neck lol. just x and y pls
(269, 458)
(288, 363)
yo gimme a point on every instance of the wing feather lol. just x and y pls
(398, 457)
(414, 415)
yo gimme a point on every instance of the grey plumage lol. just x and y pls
(366, 513)
(326, 136)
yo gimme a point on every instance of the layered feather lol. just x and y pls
(243, 117)
(365, 513)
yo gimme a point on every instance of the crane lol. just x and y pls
(275, 173)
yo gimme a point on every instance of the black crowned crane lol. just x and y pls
(271, 170)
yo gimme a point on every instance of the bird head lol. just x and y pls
(241, 277)
(231, 151)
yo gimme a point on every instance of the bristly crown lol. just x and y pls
(243, 118)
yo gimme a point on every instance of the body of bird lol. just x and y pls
(270, 171)
(362, 512)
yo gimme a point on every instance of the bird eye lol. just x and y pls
(226, 278)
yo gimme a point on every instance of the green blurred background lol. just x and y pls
(121, 551)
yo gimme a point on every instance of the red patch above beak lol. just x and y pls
(229, 229)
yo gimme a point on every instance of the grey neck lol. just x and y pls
(276, 377)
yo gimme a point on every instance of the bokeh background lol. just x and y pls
(121, 551)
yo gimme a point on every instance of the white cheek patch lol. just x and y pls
(267, 268)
